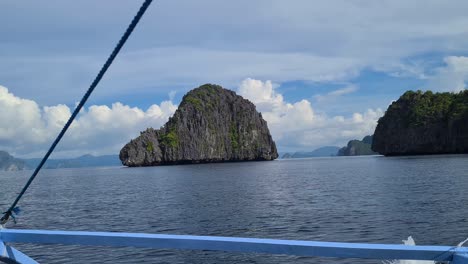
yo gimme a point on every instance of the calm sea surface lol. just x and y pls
(356, 199)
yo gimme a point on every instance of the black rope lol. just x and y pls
(123, 39)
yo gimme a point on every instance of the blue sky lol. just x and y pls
(323, 72)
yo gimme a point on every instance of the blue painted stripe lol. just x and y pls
(272, 246)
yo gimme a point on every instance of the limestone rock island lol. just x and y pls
(212, 124)
(424, 123)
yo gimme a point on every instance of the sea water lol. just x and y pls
(346, 199)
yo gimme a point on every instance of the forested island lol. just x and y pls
(424, 123)
(418, 123)
(211, 124)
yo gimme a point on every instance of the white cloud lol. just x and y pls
(347, 90)
(275, 40)
(452, 77)
(296, 126)
(351, 88)
(27, 129)
(411, 68)
(262, 94)
(191, 66)
(20, 118)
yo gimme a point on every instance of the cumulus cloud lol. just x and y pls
(452, 77)
(27, 129)
(297, 126)
(262, 94)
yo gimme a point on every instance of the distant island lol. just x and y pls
(211, 124)
(79, 162)
(358, 147)
(10, 163)
(353, 148)
(327, 151)
(424, 123)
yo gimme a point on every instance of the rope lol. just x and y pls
(123, 39)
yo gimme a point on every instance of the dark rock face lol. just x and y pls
(424, 123)
(357, 147)
(212, 124)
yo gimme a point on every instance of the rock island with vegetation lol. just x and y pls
(212, 124)
(424, 123)
(357, 147)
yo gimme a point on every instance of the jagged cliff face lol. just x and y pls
(212, 124)
(424, 123)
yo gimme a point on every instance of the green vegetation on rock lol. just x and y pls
(170, 139)
(424, 123)
(204, 97)
(149, 146)
(209, 89)
(234, 136)
(194, 101)
(427, 107)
